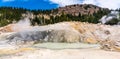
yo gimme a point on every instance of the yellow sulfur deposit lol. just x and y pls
(91, 40)
(7, 51)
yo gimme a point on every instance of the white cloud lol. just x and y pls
(111, 4)
(65, 2)
(89, 2)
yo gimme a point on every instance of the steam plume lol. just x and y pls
(109, 17)
(22, 24)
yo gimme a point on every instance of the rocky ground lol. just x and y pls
(91, 53)
(95, 41)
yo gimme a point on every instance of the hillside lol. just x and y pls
(83, 9)
(84, 13)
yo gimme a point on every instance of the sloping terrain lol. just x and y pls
(73, 40)
(78, 12)
(67, 32)
(80, 9)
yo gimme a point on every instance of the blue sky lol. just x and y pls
(50, 4)
(31, 4)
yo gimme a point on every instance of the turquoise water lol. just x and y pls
(65, 45)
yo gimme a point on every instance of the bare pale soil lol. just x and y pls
(64, 54)
(82, 41)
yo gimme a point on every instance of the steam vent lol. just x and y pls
(71, 32)
(59, 29)
(68, 32)
(64, 35)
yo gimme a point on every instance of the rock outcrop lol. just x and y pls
(83, 9)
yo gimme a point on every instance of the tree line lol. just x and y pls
(10, 14)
